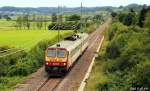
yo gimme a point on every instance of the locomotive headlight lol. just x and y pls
(64, 64)
(46, 63)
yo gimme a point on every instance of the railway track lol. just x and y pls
(39, 81)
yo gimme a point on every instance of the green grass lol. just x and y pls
(26, 39)
(97, 75)
(4, 23)
(7, 25)
(7, 83)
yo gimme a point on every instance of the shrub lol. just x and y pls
(142, 74)
(112, 50)
(7, 61)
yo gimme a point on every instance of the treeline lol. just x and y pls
(7, 17)
(128, 52)
(73, 22)
(55, 22)
(32, 22)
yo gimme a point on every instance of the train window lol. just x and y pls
(51, 53)
(61, 53)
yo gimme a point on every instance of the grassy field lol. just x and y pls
(26, 39)
(4, 23)
(7, 25)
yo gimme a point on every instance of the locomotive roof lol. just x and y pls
(68, 44)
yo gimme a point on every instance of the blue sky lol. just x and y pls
(69, 3)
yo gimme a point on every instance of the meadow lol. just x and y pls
(26, 39)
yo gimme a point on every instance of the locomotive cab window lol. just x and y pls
(61, 53)
(51, 53)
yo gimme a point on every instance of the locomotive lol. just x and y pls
(60, 57)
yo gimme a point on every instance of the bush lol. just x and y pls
(112, 50)
(7, 61)
(127, 55)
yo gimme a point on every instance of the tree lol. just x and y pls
(26, 21)
(19, 22)
(142, 17)
(97, 18)
(74, 17)
(33, 20)
(113, 14)
(7, 17)
(45, 22)
(54, 17)
(128, 18)
(112, 50)
(39, 22)
(147, 21)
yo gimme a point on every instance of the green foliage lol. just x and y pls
(141, 74)
(127, 55)
(74, 17)
(128, 18)
(6, 83)
(8, 18)
(113, 14)
(115, 29)
(147, 21)
(97, 18)
(54, 17)
(7, 61)
(112, 50)
(142, 16)
(28, 22)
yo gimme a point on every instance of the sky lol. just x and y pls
(70, 3)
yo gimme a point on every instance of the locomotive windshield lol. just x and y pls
(60, 53)
(51, 53)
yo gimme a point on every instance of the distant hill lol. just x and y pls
(135, 7)
(50, 10)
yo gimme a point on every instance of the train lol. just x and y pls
(60, 57)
